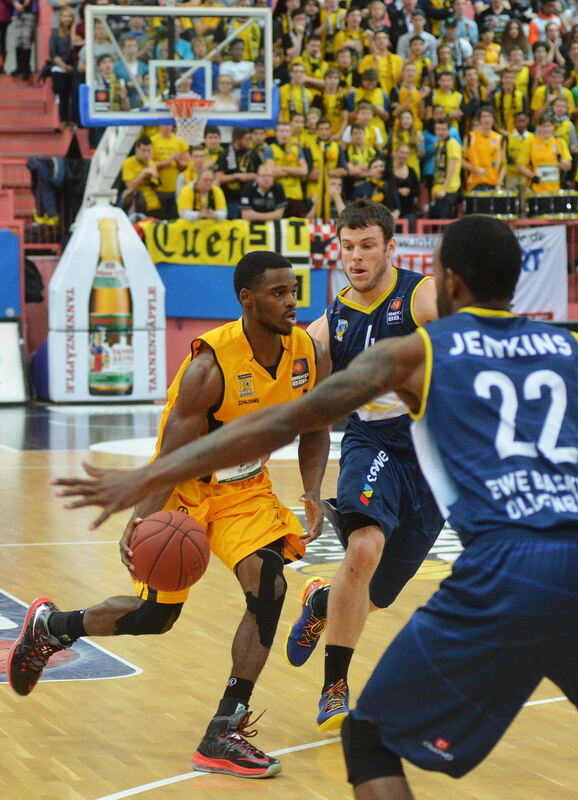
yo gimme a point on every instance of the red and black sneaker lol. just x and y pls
(32, 649)
(224, 748)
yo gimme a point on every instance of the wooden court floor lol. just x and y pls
(132, 736)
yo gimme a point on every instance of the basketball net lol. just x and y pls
(190, 115)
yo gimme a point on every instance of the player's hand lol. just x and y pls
(313, 515)
(124, 543)
(112, 489)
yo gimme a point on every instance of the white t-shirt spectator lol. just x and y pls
(238, 70)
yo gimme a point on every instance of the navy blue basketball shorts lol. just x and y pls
(380, 487)
(452, 681)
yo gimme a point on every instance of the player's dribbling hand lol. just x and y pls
(124, 543)
(313, 515)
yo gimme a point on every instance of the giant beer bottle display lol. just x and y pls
(110, 326)
(106, 337)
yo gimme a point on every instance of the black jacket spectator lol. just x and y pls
(263, 197)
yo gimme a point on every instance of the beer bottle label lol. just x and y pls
(110, 331)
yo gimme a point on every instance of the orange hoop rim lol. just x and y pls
(186, 107)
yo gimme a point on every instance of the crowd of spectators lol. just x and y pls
(420, 104)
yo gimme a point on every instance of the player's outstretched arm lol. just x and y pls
(396, 364)
(200, 386)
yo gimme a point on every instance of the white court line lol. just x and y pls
(542, 702)
(63, 467)
(188, 775)
(55, 544)
(145, 787)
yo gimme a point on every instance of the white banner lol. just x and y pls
(542, 290)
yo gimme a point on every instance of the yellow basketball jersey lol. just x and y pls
(237, 505)
(247, 385)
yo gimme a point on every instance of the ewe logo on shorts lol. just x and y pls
(394, 310)
(378, 462)
(300, 373)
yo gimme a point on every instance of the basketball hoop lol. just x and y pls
(190, 115)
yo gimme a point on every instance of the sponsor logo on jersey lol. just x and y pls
(394, 310)
(300, 373)
(342, 325)
(246, 388)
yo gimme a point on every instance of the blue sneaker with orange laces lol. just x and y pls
(333, 706)
(304, 634)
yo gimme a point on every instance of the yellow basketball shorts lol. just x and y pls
(239, 518)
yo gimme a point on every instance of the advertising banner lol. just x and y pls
(224, 243)
(542, 290)
(10, 274)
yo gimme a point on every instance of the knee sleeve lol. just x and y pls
(269, 601)
(365, 757)
(149, 618)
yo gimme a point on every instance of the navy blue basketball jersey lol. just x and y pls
(353, 328)
(497, 435)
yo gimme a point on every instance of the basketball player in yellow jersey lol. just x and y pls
(259, 360)
(484, 154)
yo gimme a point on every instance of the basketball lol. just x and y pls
(170, 551)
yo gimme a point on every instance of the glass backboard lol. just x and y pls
(137, 57)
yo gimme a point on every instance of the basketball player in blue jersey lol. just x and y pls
(495, 402)
(385, 514)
